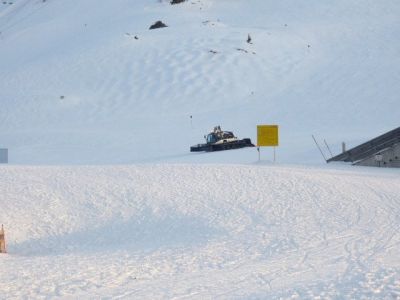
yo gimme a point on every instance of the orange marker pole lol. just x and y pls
(2, 240)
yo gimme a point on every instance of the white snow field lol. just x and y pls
(76, 87)
(102, 198)
(200, 232)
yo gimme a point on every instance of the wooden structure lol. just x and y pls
(382, 151)
(2, 240)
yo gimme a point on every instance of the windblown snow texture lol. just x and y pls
(127, 212)
(76, 86)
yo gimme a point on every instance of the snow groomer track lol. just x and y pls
(158, 231)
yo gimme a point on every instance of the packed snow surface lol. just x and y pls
(103, 199)
(200, 232)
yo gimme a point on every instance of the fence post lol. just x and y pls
(2, 240)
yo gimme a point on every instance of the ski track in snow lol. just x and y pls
(184, 231)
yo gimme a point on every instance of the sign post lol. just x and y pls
(267, 136)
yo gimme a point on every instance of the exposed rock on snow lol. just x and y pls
(177, 1)
(158, 24)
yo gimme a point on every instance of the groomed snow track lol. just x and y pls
(157, 231)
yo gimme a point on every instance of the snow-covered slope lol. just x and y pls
(77, 87)
(241, 232)
(86, 82)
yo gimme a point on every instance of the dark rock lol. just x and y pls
(157, 25)
(242, 50)
(177, 1)
(249, 38)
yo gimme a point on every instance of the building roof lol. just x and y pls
(369, 148)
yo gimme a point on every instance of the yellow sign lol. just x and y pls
(267, 135)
